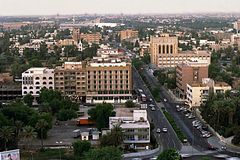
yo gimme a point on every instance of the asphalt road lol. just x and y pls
(165, 140)
(185, 124)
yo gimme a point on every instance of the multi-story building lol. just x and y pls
(91, 37)
(67, 42)
(34, 79)
(100, 80)
(76, 34)
(136, 129)
(70, 80)
(236, 25)
(235, 40)
(189, 71)
(197, 93)
(164, 52)
(109, 80)
(128, 34)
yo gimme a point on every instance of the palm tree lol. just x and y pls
(29, 134)
(6, 133)
(18, 128)
(117, 135)
(41, 125)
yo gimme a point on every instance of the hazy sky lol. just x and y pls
(46, 7)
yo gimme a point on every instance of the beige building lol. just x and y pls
(76, 34)
(100, 80)
(190, 71)
(197, 93)
(128, 34)
(236, 25)
(67, 42)
(164, 52)
(70, 80)
(91, 37)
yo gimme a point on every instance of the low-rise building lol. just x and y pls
(136, 129)
(128, 34)
(197, 93)
(91, 37)
(34, 79)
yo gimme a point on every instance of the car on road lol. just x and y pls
(187, 115)
(165, 129)
(185, 140)
(165, 100)
(191, 116)
(177, 106)
(153, 108)
(158, 130)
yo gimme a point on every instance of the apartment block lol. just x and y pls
(197, 93)
(34, 79)
(91, 37)
(128, 34)
(190, 71)
(164, 52)
(136, 129)
(109, 81)
(70, 80)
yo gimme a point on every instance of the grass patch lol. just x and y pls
(179, 133)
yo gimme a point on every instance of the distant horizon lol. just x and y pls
(149, 14)
(76, 7)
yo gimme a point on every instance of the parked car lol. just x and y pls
(158, 130)
(164, 129)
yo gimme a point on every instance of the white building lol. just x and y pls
(34, 79)
(197, 93)
(136, 129)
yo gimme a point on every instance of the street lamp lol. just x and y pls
(59, 143)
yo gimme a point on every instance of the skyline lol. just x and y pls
(74, 7)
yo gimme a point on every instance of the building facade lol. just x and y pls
(91, 37)
(128, 34)
(34, 79)
(197, 93)
(136, 129)
(164, 52)
(190, 71)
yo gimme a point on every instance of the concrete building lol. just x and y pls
(128, 34)
(70, 80)
(109, 80)
(136, 129)
(76, 34)
(91, 37)
(99, 80)
(34, 79)
(164, 52)
(197, 93)
(235, 40)
(190, 71)
(67, 42)
(236, 25)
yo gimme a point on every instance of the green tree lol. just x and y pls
(6, 134)
(28, 135)
(105, 153)
(41, 126)
(129, 104)
(100, 114)
(18, 125)
(66, 114)
(170, 154)
(80, 147)
(28, 99)
(114, 138)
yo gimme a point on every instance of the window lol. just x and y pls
(44, 83)
(37, 92)
(37, 83)
(44, 78)
(50, 82)
(50, 78)
(25, 87)
(30, 87)
(25, 92)
(37, 78)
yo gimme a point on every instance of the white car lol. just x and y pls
(165, 100)
(158, 130)
(164, 129)
(153, 109)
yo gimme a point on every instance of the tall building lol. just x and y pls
(70, 80)
(76, 34)
(128, 34)
(96, 81)
(190, 71)
(109, 81)
(236, 25)
(164, 52)
(91, 37)
(198, 92)
(136, 129)
(34, 79)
